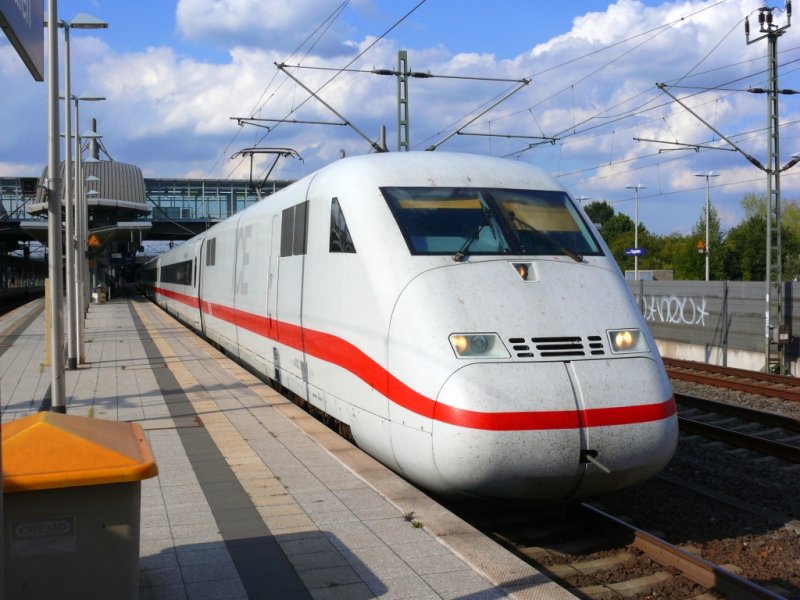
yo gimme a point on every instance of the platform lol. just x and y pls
(254, 498)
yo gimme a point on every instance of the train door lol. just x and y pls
(272, 277)
(289, 297)
(199, 282)
(196, 291)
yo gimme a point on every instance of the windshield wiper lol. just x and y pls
(486, 220)
(572, 254)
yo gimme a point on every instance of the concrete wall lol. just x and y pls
(717, 321)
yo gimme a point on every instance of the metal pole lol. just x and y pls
(708, 175)
(636, 189)
(403, 126)
(774, 263)
(69, 242)
(708, 215)
(773, 313)
(636, 236)
(80, 253)
(57, 385)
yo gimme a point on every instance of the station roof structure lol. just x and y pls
(123, 204)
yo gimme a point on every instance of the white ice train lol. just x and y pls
(459, 313)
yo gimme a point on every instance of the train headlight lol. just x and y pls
(478, 345)
(627, 340)
(524, 270)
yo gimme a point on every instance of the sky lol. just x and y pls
(176, 75)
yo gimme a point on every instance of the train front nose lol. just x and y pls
(528, 431)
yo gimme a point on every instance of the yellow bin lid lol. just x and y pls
(51, 450)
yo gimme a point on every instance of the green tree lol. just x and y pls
(745, 250)
(687, 263)
(671, 246)
(599, 212)
(754, 205)
(746, 243)
(618, 225)
(737, 255)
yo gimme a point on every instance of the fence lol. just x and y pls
(722, 319)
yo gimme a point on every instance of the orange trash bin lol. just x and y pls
(72, 504)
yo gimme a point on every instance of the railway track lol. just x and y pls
(763, 432)
(597, 555)
(742, 380)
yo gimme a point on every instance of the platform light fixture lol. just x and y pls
(83, 229)
(81, 21)
(636, 189)
(708, 175)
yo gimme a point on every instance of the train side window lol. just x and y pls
(340, 234)
(300, 228)
(178, 273)
(211, 252)
(294, 225)
(287, 231)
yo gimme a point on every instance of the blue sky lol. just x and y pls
(174, 72)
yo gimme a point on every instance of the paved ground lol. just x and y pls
(254, 498)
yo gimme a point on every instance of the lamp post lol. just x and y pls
(81, 21)
(708, 177)
(636, 189)
(53, 185)
(82, 213)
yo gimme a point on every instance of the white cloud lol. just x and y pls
(274, 24)
(170, 113)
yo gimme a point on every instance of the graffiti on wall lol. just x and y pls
(675, 310)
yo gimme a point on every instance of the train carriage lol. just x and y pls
(176, 281)
(459, 313)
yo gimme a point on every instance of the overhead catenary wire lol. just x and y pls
(576, 132)
(704, 90)
(697, 188)
(353, 60)
(657, 30)
(417, 74)
(643, 107)
(740, 136)
(573, 129)
(592, 125)
(324, 25)
(566, 134)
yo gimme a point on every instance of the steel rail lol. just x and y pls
(693, 567)
(750, 441)
(740, 412)
(741, 440)
(732, 371)
(752, 382)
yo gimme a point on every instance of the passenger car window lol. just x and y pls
(293, 229)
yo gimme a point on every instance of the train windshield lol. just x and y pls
(489, 221)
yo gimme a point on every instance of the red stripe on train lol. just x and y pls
(333, 349)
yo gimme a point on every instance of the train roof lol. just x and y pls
(439, 169)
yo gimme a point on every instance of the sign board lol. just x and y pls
(94, 241)
(634, 251)
(28, 186)
(23, 23)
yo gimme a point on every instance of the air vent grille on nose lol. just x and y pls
(557, 347)
(520, 347)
